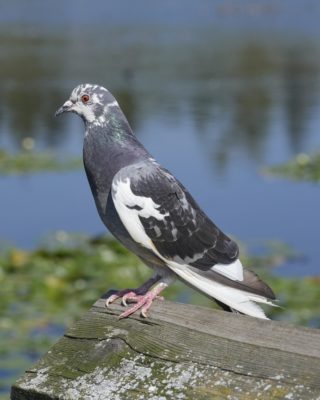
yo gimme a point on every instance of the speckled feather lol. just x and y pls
(185, 233)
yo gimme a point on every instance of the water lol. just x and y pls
(214, 92)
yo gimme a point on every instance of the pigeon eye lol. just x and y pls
(85, 98)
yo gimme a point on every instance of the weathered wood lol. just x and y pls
(180, 352)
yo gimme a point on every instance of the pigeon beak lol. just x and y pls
(67, 106)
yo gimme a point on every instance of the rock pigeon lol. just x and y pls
(152, 214)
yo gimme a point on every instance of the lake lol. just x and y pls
(215, 90)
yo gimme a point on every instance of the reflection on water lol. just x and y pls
(301, 82)
(238, 88)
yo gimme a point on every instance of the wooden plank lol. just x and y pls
(180, 352)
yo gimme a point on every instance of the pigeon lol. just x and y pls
(153, 215)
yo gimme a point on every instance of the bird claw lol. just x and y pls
(135, 298)
(143, 301)
(117, 295)
(143, 314)
(110, 300)
(130, 296)
(123, 302)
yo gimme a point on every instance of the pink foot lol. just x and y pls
(143, 301)
(132, 297)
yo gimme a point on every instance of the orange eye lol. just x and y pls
(85, 98)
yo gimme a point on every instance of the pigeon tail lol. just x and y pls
(237, 299)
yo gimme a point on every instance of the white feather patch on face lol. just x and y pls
(85, 110)
(89, 110)
(96, 98)
(124, 201)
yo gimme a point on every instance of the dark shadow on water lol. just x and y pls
(301, 93)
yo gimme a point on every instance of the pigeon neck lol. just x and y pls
(114, 136)
(109, 148)
(106, 150)
(111, 127)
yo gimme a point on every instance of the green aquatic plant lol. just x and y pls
(27, 162)
(303, 167)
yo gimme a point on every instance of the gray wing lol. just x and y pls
(159, 213)
(184, 234)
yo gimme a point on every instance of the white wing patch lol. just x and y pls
(232, 271)
(130, 207)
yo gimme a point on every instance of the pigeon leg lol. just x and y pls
(133, 294)
(144, 302)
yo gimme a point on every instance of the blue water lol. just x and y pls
(215, 92)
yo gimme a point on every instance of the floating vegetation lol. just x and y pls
(304, 167)
(27, 162)
(44, 290)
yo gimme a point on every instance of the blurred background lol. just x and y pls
(225, 94)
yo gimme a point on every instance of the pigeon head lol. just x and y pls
(91, 102)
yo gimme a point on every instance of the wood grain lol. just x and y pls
(179, 352)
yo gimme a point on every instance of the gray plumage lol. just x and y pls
(152, 214)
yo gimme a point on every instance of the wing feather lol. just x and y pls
(160, 214)
(184, 233)
(171, 219)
